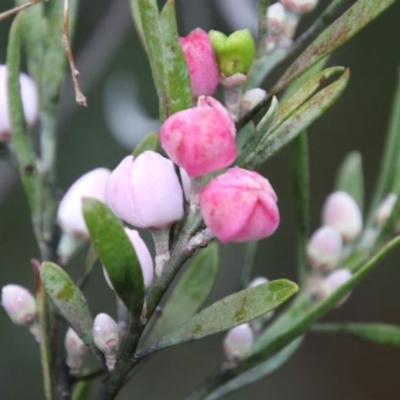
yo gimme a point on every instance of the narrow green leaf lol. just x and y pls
(338, 33)
(301, 189)
(191, 291)
(137, 20)
(117, 254)
(350, 178)
(69, 300)
(262, 31)
(260, 371)
(149, 142)
(298, 121)
(383, 334)
(231, 311)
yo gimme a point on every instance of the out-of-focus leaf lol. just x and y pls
(260, 371)
(297, 122)
(244, 135)
(350, 178)
(338, 33)
(191, 291)
(231, 311)
(149, 142)
(117, 254)
(69, 300)
(387, 335)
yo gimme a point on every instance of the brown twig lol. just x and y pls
(17, 9)
(79, 96)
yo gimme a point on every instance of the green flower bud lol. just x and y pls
(235, 53)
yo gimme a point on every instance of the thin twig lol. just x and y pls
(79, 96)
(17, 9)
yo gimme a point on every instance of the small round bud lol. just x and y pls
(235, 53)
(145, 192)
(144, 256)
(251, 98)
(276, 18)
(258, 281)
(76, 350)
(300, 7)
(238, 342)
(69, 214)
(385, 209)
(107, 337)
(200, 139)
(200, 58)
(239, 206)
(30, 102)
(19, 304)
(342, 212)
(333, 282)
(325, 248)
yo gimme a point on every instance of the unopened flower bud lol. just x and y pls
(200, 58)
(276, 18)
(144, 256)
(238, 342)
(251, 98)
(239, 206)
(235, 53)
(257, 281)
(201, 139)
(342, 212)
(325, 248)
(333, 282)
(145, 192)
(107, 337)
(385, 209)
(30, 102)
(300, 7)
(76, 350)
(69, 214)
(19, 304)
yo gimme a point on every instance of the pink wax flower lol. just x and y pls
(201, 139)
(201, 61)
(30, 102)
(69, 214)
(145, 192)
(239, 206)
(19, 304)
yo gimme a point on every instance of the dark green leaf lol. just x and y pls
(117, 254)
(231, 311)
(191, 291)
(387, 335)
(350, 178)
(338, 33)
(149, 142)
(297, 122)
(69, 300)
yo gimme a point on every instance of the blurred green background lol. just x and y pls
(116, 78)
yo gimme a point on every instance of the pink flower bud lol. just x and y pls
(276, 18)
(238, 342)
(144, 256)
(201, 139)
(299, 6)
(107, 337)
(239, 206)
(145, 192)
(19, 304)
(342, 212)
(69, 215)
(333, 282)
(201, 61)
(325, 248)
(30, 102)
(385, 208)
(76, 350)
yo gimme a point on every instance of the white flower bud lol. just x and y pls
(107, 337)
(251, 98)
(299, 7)
(325, 248)
(258, 281)
(385, 209)
(19, 304)
(276, 18)
(238, 342)
(333, 282)
(76, 350)
(342, 212)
